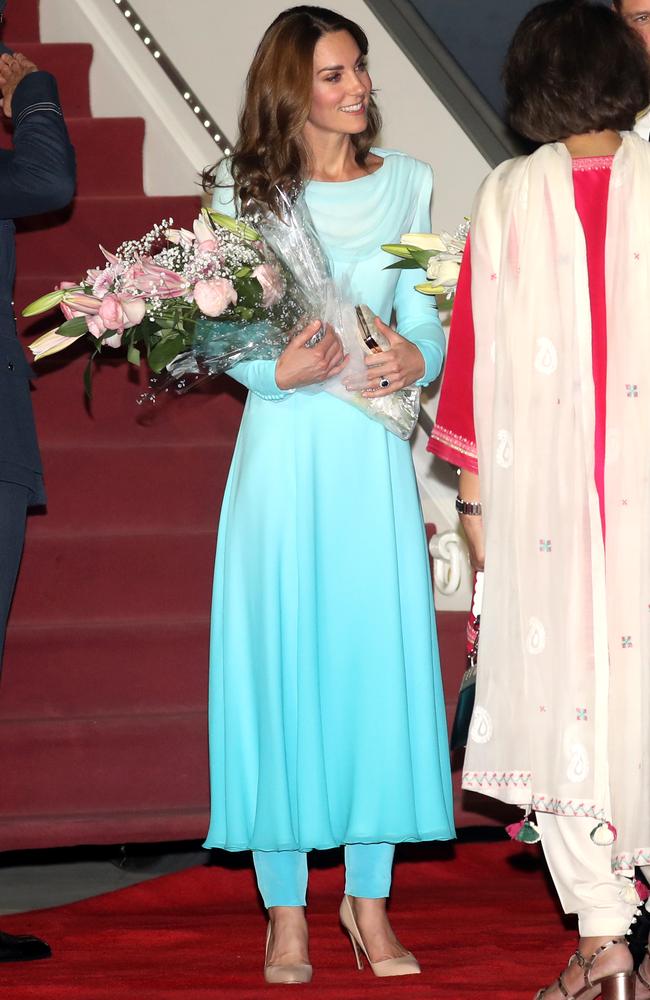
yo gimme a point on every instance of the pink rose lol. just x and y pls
(272, 282)
(95, 327)
(111, 312)
(214, 295)
(117, 312)
(134, 310)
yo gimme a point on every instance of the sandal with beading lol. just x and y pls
(612, 986)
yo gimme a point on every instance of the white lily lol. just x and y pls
(444, 270)
(424, 241)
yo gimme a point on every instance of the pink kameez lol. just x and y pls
(453, 437)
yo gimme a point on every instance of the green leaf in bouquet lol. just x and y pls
(412, 256)
(88, 379)
(73, 327)
(165, 351)
(403, 265)
(235, 226)
(146, 332)
(166, 322)
(249, 292)
(243, 272)
(133, 355)
(45, 303)
(423, 256)
(243, 313)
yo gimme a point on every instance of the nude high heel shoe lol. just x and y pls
(405, 965)
(284, 974)
(614, 986)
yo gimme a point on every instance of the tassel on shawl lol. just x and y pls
(604, 834)
(526, 832)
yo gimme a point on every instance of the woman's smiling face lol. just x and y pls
(342, 85)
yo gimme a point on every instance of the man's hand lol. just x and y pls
(13, 69)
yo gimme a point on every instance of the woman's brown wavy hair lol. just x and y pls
(271, 152)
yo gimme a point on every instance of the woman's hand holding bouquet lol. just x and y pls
(301, 365)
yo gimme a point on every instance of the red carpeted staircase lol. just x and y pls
(103, 699)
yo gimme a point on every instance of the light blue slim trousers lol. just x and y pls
(282, 875)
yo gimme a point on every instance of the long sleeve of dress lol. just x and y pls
(453, 437)
(258, 376)
(38, 174)
(417, 314)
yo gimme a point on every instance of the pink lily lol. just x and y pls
(76, 302)
(151, 279)
(180, 237)
(206, 237)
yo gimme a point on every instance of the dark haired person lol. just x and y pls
(546, 408)
(38, 175)
(327, 716)
(637, 15)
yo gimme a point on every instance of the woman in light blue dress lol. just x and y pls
(327, 721)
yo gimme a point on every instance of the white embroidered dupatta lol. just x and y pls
(562, 718)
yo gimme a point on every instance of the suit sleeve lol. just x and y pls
(38, 174)
(417, 314)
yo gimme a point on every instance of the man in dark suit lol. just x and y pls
(637, 15)
(36, 176)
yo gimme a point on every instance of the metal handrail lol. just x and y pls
(198, 107)
(448, 80)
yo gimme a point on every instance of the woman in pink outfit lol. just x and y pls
(545, 408)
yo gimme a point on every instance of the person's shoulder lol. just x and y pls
(407, 169)
(223, 192)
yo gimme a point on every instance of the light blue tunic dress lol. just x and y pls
(327, 717)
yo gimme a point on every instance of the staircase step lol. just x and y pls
(209, 414)
(118, 487)
(47, 669)
(109, 155)
(21, 22)
(114, 577)
(77, 766)
(70, 239)
(102, 164)
(70, 63)
(116, 826)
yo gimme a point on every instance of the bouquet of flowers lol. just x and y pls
(194, 303)
(440, 255)
(159, 295)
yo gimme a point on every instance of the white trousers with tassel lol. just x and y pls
(581, 870)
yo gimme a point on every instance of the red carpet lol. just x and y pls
(480, 918)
